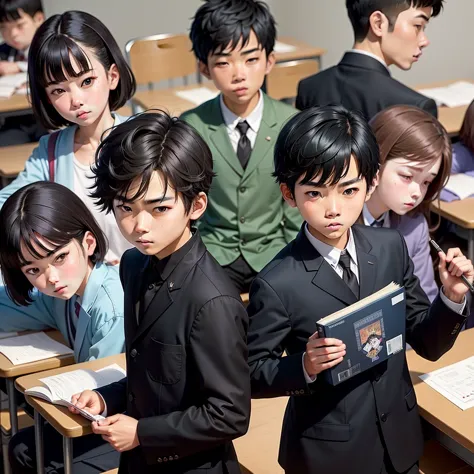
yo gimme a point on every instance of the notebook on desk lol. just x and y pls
(10, 83)
(459, 186)
(456, 94)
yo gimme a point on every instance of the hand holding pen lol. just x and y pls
(456, 273)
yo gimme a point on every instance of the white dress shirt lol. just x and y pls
(253, 119)
(369, 219)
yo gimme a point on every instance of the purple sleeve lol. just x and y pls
(463, 159)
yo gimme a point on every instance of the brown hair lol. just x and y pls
(466, 134)
(409, 132)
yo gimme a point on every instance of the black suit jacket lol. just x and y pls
(341, 429)
(188, 379)
(359, 83)
(6, 51)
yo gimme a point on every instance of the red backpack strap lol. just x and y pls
(53, 138)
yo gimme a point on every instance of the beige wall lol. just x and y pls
(324, 23)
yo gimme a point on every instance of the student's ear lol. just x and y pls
(270, 62)
(204, 70)
(378, 23)
(372, 187)
(287, 195)
(89, 243)
(113, 77)
(199, 206)
(38, 18)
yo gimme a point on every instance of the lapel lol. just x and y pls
(367, 262)
(220, 137)
(266, 137)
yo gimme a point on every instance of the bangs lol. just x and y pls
(230, 38)
(61, 58)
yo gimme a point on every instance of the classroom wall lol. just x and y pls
(324, 23)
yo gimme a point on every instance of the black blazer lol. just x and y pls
(6, 51)
(360, 83)
(188, 379)
(340, 429)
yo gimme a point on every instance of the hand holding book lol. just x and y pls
(88, 401)
(322, 353)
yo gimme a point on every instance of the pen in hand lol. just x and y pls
(463, 278)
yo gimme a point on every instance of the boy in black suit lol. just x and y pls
(386, 32)
(187, 391)
(19, 20)
(326, 161)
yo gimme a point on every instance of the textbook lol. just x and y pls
(373, 329)
(59, 389)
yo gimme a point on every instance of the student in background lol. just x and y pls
(326, 161)
(77, 77)
(415, 159)
(246, 222)
(463, 150)
(51, 243)
(187, 391)
(386, 32)
(19, 20)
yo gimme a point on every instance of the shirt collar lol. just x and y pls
(328, 252)
(372, 55)
(369, 218)
(253, 119)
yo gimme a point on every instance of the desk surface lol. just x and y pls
(14, 103)
(13, 158)
(436, 409)
(459, 212)
(8, 370)
(67, 424)
(302, 51)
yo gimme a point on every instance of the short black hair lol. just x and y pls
(149, 142)
(220, 23)
(359, 12)
(321, 140)
(10, 9)
(57, 40)
(51, 211)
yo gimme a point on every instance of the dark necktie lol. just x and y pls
(348, 275)
(244, 148)
(377, 223)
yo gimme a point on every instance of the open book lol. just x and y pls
(459, 185)
(58, 389)
(456, 94)
(11, 82)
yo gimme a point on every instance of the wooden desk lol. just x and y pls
(302, 51)
(13, 159)
(167, 99)
(9, 372)
(15, 103)
(68, 425)
(450, 117)
(454, 427)
(459, 212)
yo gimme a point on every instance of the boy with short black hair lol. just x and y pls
(326, 161)
(386, 32)
(247, 222)
(187, 391)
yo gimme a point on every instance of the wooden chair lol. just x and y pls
(282, 82)
(438, 460)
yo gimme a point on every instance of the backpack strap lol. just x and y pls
(53, 138)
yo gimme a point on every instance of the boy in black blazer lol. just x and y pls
(386, 32)
(187, 391)
(326, 161)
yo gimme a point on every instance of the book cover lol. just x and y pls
(373, 329)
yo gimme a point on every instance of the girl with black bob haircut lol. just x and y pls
(77, 77)
(52, 265)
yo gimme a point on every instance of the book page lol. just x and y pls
(13, 80)
(6, 91)
(197, 96)
(283, 47)
(455, 382)
(31, 348)
(461, 185)
(454, 95)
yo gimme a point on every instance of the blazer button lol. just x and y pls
(133, 353)
(130, 397)
(383, 417)
(176, 456)
(242, 220)
(151, 286)
(165, 459)
(243, 189)
(160, 460)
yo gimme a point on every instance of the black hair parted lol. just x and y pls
(359, 12)
(149, 142)
(10, 9)
(49, 211)
(219, 24)
(319, 142)
(56, 52)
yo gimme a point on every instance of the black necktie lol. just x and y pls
(244, 148)
(377, 223)
(348, 275)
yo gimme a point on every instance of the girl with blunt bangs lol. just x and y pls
(415, 159)
(78, 78)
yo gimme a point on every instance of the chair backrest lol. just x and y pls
(160, 57)
(282, 82)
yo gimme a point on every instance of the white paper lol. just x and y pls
(31, 347)
(456, 94)
(4, 335)
(461, 185)
(6, 91)
(283, 47)
(13, 80)
(455, 382)
(197, 96)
